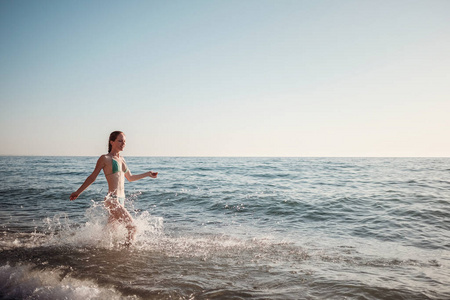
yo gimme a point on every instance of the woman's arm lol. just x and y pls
(91, 178)
(131, 177)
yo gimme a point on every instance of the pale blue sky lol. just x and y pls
(226, 78)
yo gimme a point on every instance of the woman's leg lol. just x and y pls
(118, 214)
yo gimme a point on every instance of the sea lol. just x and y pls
(229, 228)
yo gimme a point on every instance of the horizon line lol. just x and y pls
(217, 156)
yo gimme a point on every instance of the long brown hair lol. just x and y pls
(112, 137)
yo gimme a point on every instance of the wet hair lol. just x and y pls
(112, 137)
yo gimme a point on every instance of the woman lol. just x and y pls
(115, 169)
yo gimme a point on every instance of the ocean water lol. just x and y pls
(229, 228)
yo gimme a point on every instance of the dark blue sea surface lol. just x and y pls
(229, 228)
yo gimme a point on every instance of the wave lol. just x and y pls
(204, 266)
(27, 281)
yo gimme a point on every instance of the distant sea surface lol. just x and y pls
(229, 228)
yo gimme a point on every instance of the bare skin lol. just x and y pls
(116, 183)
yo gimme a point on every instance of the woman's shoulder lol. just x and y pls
(104, 158)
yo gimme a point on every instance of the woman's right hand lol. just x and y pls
(74, 196)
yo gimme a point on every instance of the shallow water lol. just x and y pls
(229, 228)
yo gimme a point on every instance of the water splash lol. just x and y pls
(62, 230)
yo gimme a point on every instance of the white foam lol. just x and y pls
(27, 282)
(61, 230)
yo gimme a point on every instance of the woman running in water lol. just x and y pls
(115, 169)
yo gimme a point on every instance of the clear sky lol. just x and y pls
(226, 78)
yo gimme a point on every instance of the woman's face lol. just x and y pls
(119, 143)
